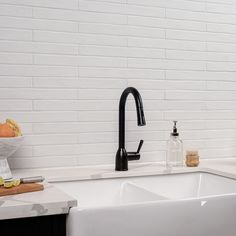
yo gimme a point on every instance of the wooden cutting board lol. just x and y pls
(22, 188)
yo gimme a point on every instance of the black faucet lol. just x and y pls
(122, 157)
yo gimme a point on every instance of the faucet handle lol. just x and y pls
(140, 146)
(135, 155)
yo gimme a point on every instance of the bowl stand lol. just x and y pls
(5, 171)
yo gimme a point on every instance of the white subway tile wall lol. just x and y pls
(64, 65)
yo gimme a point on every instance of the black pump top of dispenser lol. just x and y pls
(175, 131)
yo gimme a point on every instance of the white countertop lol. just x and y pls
(218, 166)
(53, 201)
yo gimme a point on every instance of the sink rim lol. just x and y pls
(154, 202)
(127, 180)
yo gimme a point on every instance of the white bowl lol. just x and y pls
(8, 146)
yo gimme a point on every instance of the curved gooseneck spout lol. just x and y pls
(122, 157)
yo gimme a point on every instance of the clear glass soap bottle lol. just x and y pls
(174, 149)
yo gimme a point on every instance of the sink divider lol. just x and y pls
(132, 193)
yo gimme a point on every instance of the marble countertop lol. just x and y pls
(54, 201)
(50, 201)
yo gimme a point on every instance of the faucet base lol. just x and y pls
(121, 160)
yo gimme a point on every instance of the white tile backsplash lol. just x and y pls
(64, 65)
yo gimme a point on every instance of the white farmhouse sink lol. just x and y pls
(178, 204)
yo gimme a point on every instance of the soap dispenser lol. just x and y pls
(174, 149)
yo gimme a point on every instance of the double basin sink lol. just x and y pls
(197, 203)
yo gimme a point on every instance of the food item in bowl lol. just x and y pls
(6, 131)
(10, 129)
(15, 127)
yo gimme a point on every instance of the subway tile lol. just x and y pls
(55, 105)
(183, 115)
(50, 139)
(219, 115)
(74, 127)
(15, 82)
(221, 28)
(221, 66)
(223, 143)
(56, 37)
(72, 4)
(39, 70)
(42, 162)
(213, 85)
(147, 84)
(127, 73)
(176, 4)
(16, 11)
(97, 105)
(64, 65)
(108, 137)
(83, 16)
(232, 2)
(15, 105)
(186, 15)
(121, 51)
(218, 153)
(220, 37)
(220, 124)
(95, 61)
(107, 83)
(54, 150)
(16, 35)
(221, 105)
(59, 60)
(16, 58)
(82, 83)
(221, 95)
(185, 85)
(32, 93)
(27, 128)
(96, 148)
(186, 55)
(166, 64)
(109, 29)
(166, 44)
(201, 56)
(111, 1)
(221, 8)
(145, 31)
(99, 94)
(200, 75)
(94, 159)
(185, 35)
(140, 10)
(185, 95)
(31, 23)
(167, 23)
(55, 82)
(100, 39)
(81, 105)
(37, 47)
(184, 105)
(221, 47)
(95, 6)
(47, 116)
